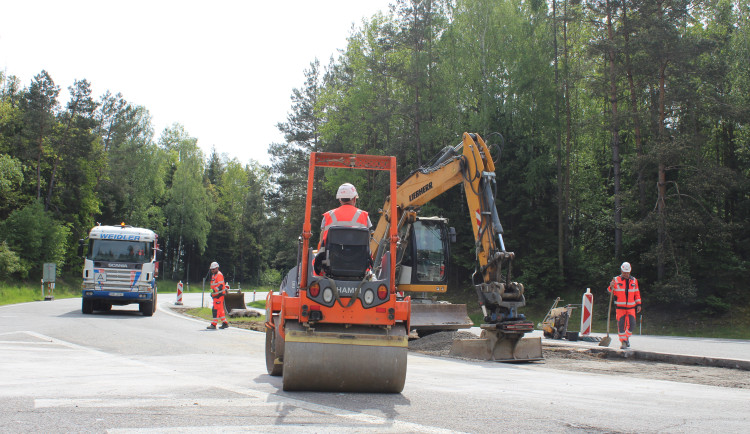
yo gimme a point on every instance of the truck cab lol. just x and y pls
(120, 268)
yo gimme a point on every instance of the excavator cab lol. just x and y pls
(427, 255)
(423, 272)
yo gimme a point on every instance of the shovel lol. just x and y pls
(606, 341)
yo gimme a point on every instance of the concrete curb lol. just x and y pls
(676, 359)
(650, 356)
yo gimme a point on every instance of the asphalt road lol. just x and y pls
(61, 371)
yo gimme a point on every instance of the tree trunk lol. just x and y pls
(615, 135)
(51, 184)
(662, 177)
(636, 119)
(38, 168)
(568, 126)
(558, 159)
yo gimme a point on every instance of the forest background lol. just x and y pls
(621, 131)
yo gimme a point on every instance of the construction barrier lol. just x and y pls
(179, 294)
(586, 311)
(48, 290)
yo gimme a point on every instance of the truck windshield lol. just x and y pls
(120, 251)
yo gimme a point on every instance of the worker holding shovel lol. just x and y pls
(218, 291)
(627, 298)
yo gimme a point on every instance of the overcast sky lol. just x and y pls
(223, 69)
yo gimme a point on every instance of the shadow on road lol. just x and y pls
(383, 405)
(114, 313)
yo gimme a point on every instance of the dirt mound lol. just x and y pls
(438, 344)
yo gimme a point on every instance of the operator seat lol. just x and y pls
(347, 253)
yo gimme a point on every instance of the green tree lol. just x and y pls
(39, 106)
(36, 237)
(10, 174)
(289, 163)
(131, 185)
(10, 263)
(187, 205)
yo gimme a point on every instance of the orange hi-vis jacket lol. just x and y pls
(217, 284)
(345, 215)
(626, 295)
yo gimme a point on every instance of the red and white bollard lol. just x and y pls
(588, 305)
(179, 294)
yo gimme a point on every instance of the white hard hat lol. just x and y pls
(214, 265)
(346, 191)
(625, 267)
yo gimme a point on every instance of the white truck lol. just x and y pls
(120, 268)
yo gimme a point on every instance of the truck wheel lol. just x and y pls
(87, 306)
(146, 308)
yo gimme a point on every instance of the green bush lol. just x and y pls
(271, 277)
(36, 237)
(9, 261)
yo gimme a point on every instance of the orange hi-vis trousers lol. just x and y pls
(218, 311)
(625, 323)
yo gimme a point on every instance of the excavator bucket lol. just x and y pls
(360, 359)
(439, 317)
(235, 299)
(499, 345)
(523, 350)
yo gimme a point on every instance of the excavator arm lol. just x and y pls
(470, 164)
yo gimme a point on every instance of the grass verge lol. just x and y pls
(13, 293)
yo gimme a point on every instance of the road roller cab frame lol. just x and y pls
(344, 331)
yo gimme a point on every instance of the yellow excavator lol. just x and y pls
(422, 259)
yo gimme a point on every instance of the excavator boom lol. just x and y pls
(470, 164)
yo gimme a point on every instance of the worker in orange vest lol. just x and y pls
(218, 291)
(347, 214)
(627, 297)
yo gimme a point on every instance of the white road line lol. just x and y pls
(395, 428)
(27, 343)
(148, 402)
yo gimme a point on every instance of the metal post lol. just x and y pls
(203, 291)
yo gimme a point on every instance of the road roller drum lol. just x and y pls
(359, 359)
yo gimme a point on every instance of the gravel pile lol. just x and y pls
(438, 344)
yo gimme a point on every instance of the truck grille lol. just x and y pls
(116, 280)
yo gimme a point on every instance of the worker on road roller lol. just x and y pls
(347, 214)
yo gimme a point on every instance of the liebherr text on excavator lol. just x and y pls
(422, 262)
